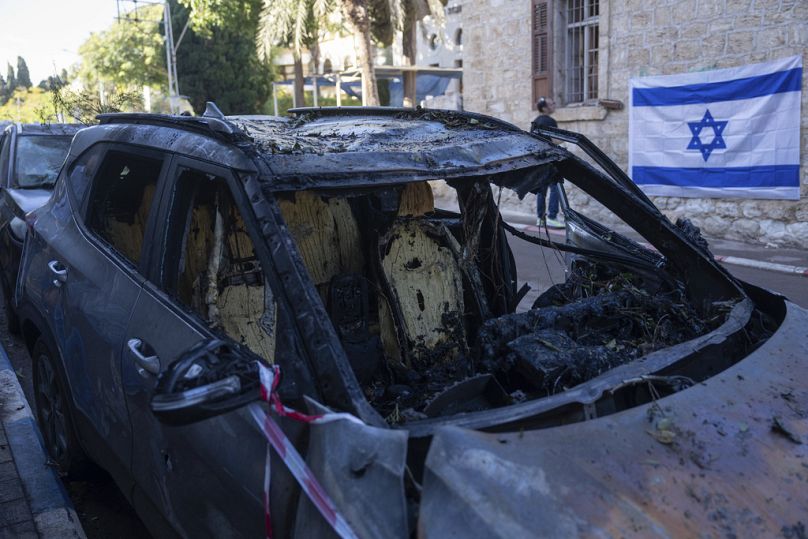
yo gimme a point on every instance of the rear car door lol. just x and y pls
(86, 270)
(206, 281)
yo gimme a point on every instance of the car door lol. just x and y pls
(87, 266)
(206, 281)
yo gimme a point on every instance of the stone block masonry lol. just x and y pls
(640, 38)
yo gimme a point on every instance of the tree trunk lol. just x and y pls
(299, 95)
(356, 12)
(314, 49)
(408, 43)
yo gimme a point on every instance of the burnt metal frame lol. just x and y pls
(618, 196)
(327, 359)
(331, 368)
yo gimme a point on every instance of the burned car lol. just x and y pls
(181, 259)
(30, 158)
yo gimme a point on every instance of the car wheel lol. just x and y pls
(54, 415)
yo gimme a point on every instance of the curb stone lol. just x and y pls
(53, 513)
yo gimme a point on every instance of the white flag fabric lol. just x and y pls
(722, 133)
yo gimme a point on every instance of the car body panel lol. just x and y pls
(173, 465)
(27, 200)
(725, 457)
(86, 317)
(16, 202)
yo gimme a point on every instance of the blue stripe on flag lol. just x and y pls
(761, 176)
(730, 90)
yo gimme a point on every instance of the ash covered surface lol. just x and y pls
(407, 132)
(575, 332)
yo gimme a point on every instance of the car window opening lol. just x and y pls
(220, 276)
(121, 200)
(424, 301)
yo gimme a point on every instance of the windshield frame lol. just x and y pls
(13, 179)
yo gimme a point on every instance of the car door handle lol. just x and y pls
(145, 364)
(59, 271)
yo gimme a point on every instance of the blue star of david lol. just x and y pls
(718, 140)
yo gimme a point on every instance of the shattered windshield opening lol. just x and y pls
(434, 317)
(38, 160)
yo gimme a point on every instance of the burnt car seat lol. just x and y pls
(424, 284)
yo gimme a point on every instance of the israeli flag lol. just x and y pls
(723, 133)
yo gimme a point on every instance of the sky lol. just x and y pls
(48, 32)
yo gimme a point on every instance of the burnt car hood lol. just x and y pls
(728, 457)
(27, 200)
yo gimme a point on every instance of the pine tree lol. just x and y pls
(4, 91)
(11, 80)
(23, 77)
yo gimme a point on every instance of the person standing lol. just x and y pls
(546, 107)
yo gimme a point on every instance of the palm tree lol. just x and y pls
(296, 24)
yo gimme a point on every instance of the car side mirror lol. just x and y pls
(209, 379)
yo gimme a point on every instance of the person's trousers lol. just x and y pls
(552, 212)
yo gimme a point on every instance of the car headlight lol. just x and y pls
(18, 229)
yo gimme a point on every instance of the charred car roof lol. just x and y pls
(338, 147)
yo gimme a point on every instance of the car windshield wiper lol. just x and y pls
(566, 247)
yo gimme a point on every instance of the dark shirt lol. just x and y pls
(542, 120)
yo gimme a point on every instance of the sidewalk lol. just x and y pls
(33, 502)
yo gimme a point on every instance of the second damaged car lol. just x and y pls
(186, 267)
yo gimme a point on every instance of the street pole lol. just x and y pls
(171, 47)
(171, 60)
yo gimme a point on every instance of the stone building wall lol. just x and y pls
(640, 38)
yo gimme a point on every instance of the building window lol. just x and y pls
(565, 37)
(581, 51)
(459, 37)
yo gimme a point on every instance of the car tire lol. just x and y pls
(54, 414)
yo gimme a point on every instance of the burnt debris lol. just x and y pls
(423, 302)
(598, 320)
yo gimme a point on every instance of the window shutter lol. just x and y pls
(542, 34)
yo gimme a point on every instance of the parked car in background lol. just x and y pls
(30, 158)
(650, 394)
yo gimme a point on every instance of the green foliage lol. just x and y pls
(23, 76)
(205, 15)
(130, 53)
(28, 106)
(292, 23)
(219, 62)
(83, 106)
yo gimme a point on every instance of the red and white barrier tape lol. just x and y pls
(270, 377)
